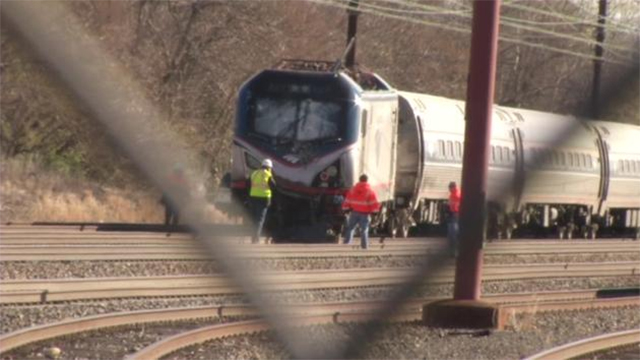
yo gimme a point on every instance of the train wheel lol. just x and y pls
(403, 231)
(508, 234)
(391, 227)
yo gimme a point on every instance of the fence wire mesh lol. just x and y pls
(115, 100)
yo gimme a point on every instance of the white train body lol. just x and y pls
(323, 130)
(538, 162)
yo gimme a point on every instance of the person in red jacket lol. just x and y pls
(454, 208)
(361, 201)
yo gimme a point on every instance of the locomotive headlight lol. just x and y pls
(328, 173)
(328, 176)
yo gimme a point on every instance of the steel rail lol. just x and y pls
(189, 250)
(589, 345)
(201, 335)
(55, 290)
(58, 236)
(72, 326)
(193, 337)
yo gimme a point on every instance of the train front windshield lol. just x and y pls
(298, 119)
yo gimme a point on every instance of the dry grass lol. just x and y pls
(31, 193)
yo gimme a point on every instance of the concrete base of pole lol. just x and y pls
(464, 314)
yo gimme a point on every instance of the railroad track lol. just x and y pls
(304, 314)
(69, 244)
(593, 345)
(55, 290)
(188, 253)
(147, 247)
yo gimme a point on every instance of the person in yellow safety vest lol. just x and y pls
(262, 185)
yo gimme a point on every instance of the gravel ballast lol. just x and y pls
(112, 343)
(17, 317)
(532, 334)
(24, 270)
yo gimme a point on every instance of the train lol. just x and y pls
(324, 126)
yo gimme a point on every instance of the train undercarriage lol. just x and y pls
(562, 221)
(319, 218)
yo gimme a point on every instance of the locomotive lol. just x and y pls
(323, 126)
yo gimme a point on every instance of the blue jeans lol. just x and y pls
(259, 207)
(452, 234)
(362, 219)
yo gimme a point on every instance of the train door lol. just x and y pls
(519, 166)
(378, 146)
(365, 120)
(603, 189)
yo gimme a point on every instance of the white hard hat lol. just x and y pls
(267, 163)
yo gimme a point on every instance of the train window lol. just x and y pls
(441, 149)
(626, 166)
(561, 158)
(555, 160)
(364, 123)
(458, 150)
(569, 159)
(620, 166)
(505, 154)
(499, 154)
(589, 162)
(633, 166)
(548, 157)
(450, 149)
(576, 160)
(493, 154)
(584, 161)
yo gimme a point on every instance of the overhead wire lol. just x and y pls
(558, 15)
(506, 21)
(467, 13)
(345, 6)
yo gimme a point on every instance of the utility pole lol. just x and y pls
(480, 91)
(352, 28)
(597, 63)
(466, 310)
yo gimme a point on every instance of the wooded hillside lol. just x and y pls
(191, 56)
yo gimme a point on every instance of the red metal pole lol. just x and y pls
(480, 89)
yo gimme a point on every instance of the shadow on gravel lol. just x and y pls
(226, 229)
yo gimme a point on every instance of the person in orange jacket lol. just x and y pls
(361, 201)
(454, 208)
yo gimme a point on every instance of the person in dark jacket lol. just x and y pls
(361, 201)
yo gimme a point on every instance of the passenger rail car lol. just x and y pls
(324, 128)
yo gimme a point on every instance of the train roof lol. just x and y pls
(366, 79)
(622, 138)
(536, 125)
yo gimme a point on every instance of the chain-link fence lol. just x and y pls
(115, 100)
